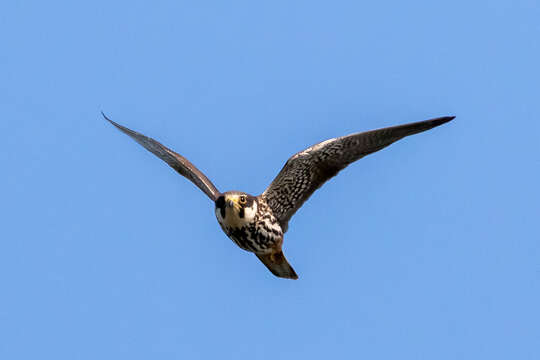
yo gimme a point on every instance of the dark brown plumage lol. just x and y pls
(309, 169)
(257, 223)
(176, 161)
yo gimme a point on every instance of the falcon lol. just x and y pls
(257, 223)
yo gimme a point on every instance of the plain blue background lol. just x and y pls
(428, 249)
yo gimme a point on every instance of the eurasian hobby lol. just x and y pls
(257, 223)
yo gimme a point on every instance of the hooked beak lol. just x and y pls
(230, 203)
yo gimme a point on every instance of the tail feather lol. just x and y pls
(278, 265)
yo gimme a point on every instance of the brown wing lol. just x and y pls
(176, 161)
(308, 170)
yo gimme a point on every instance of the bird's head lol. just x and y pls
(236, 208)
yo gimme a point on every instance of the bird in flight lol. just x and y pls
(257, 223)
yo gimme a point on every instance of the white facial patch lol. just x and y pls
(249, 212)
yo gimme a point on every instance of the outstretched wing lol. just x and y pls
(176, 161)
(308, 170)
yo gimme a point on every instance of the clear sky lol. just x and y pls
(428, 249)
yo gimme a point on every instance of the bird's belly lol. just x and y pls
(253, 238)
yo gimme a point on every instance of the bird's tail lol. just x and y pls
(278, 265)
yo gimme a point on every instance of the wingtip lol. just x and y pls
(112, 122)
(448, 118)
(442, 120)
(106, 118)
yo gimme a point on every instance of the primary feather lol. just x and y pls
(176, 161)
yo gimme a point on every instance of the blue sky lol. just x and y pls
(428, 249)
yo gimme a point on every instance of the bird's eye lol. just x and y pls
(243, 199)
